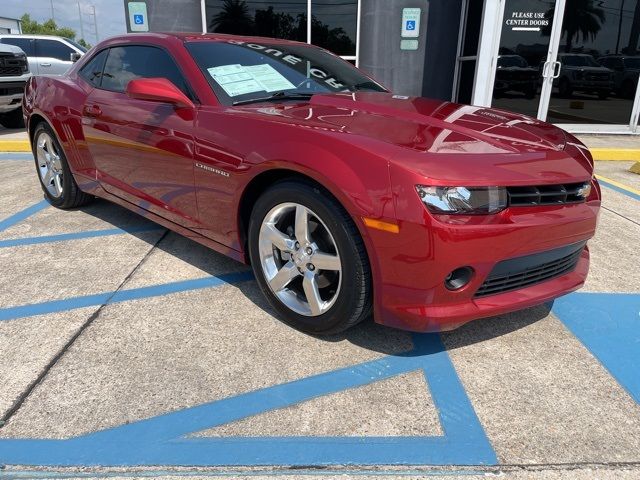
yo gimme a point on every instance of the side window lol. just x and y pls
(130, 62)
(92, 71)
(26, 44)
(53, 49)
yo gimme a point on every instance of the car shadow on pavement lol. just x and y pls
(368, 334)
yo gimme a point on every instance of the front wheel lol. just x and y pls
(309, 259)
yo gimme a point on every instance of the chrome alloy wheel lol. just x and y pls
(49, 165)
(300, 259)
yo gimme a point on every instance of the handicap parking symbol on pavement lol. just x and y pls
(411, 25)
(138, 19)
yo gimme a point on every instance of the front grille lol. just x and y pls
(11, 71)
(597, 76)
(10, 65)
(523, 272)
(11, 91)
(545, 194)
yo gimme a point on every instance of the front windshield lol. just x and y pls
(580, 61)
(76, 44)
(240, 72)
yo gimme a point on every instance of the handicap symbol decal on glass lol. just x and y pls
(138, 19)
(411, 24)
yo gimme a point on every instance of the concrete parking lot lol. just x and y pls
(127, 348)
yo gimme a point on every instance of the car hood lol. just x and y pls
(442, 139)
(6, 48)
(428, 125)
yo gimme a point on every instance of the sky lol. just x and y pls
(110, 15)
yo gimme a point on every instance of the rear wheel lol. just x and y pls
(56, 179)
(12, 119)
(309, 259)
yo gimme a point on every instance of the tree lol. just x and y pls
(234, 18)
(50, 27)
(84, 43)
(47, 28)
(582, 20)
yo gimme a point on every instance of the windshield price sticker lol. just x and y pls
(269, 78)
(239, 80)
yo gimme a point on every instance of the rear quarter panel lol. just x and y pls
(59, 101)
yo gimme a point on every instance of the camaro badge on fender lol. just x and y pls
(211, 169)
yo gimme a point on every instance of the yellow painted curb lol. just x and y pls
(616, 154)
(15, 146)
(618, 184)
(635, 168)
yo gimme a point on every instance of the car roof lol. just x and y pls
(28, 35)
(196, 36)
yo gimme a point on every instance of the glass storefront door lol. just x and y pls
(600, 58)
(526, 58)
(570, 62)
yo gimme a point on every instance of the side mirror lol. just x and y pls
(158, 90)
(75, 56)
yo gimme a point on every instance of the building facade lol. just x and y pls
(575, 63)
(10, 25)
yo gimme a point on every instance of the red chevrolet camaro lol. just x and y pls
(346, 199)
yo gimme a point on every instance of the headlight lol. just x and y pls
(25, 65)
(463, 200)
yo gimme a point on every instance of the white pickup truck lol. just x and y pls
(14, 73)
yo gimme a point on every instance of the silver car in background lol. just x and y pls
(47, 54)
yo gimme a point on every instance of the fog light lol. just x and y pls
(458, 278)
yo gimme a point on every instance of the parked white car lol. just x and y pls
(48, 55)
(14, 73)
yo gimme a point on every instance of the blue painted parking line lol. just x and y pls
(63, 237)
(608, 324)
(618, 189)
(165, 440)
(295, 473)
(16, 156)
(53, 306)
(22, 215)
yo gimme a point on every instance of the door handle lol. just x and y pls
(45, 64)
(557, 66)
(92, 110)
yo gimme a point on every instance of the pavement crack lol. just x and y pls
(619, 214)
(56, 358)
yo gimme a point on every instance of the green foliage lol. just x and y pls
(84, 43)
(47, 28)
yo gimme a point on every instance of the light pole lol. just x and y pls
(81, 25)
(53, 16)
(95, 21)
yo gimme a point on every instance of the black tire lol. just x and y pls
(353, 303)
(71, 196)
(12, 119)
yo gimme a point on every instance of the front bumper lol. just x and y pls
(412, 265)
(11, 94)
